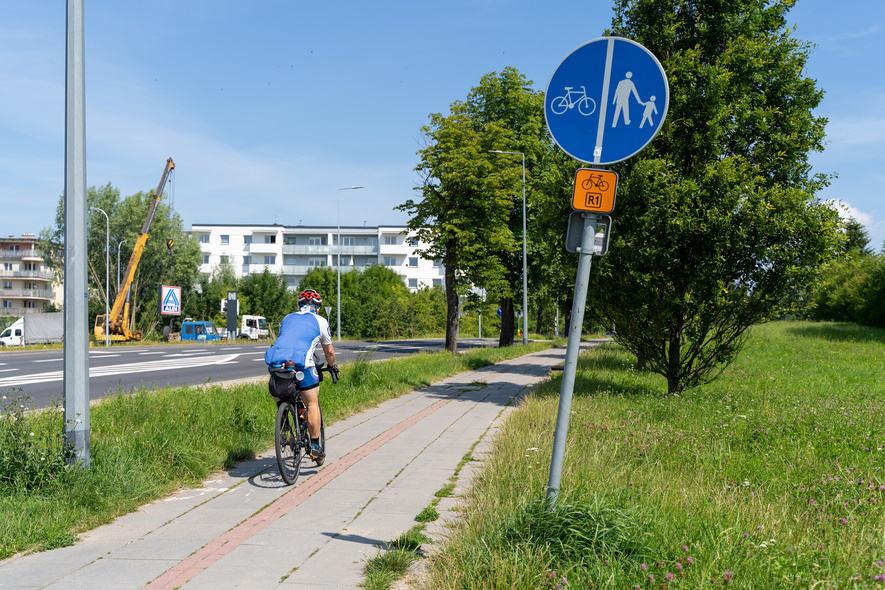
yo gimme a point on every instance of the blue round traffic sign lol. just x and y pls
(606, 101)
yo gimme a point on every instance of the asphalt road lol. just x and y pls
(40, 375)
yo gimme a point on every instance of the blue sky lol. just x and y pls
(268, 107)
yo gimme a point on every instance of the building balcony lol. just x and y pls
(20, 254)
(262, 248)
(47, 294)
(47, 275)
(19, 311)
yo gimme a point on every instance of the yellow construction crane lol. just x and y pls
(118, 323)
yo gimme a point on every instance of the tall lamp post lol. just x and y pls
(107, 273)
(525, 280)
(119, 244)
(338, 317)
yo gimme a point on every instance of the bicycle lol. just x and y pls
(594, 182)
(291, 436)
(561, 104)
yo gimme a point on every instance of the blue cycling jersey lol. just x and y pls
(300, 333)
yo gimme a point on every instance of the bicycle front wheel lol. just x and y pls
(287, 437)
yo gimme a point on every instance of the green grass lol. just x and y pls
(147, 444)
(770, 477)
(394, 559)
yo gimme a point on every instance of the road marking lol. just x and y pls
(7, 370)
(160, 352)
(58, 360)
(160, 365)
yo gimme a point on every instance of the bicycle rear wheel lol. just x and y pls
(287, 440)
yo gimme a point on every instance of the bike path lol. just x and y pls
(244, 528)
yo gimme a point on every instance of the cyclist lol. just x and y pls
(300, 332)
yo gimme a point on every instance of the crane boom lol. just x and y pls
(118, 322)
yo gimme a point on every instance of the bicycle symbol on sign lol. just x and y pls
(561, 104)
(596, 182)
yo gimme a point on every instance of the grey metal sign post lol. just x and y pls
(585, 261)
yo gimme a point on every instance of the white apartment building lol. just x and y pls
(25, 281)
(295, 250)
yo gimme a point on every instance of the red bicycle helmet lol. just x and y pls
(310, 297)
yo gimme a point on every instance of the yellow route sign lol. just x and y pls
(595, 190)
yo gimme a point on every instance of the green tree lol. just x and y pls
(856, 237)
(267, 295)
(717, 220)
(506, 100)
(464, 213)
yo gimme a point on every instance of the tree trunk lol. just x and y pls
(674, 365)
(451, 307)
(539, 324)
(507, 322)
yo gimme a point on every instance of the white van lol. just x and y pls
(14, 335)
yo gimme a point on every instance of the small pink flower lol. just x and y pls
(689, 561)
(643, 567)
(669, 577)
(678, 565)
(844, 521)
(685, 547)
(651, 577)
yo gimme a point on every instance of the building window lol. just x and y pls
(289, 240)
(372, 241)
(270, 259)
(205, 259)
(348, 241)
(390, 240)
(30, 304)
(412, 241)
(413, 283)
(224, 259)
(225, 240)
(247, 239)
(437, 282)
(7, 284)
(389, 261)
(315, 262)
(247, 260)
(7, 266)
(413, 262)
(204, 238)
(437, 263)
(291, 281)
(270, 239)
(317, 241)
(7, 304)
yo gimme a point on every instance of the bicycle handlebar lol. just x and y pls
(333, 371)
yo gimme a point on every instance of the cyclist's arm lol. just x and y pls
(329, 352)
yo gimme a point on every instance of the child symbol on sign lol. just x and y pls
(650, 109)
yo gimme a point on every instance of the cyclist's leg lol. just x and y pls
(311, 398)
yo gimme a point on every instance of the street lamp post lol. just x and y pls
(107, 274)
(119, 244)
(525, 280)
(338, 316)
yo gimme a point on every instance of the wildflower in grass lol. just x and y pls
(727, 576)
(669, 577)
(689, 561)
(643, 567)
(685, 547)
(678, 565)
(844, 521)
(651, 577)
